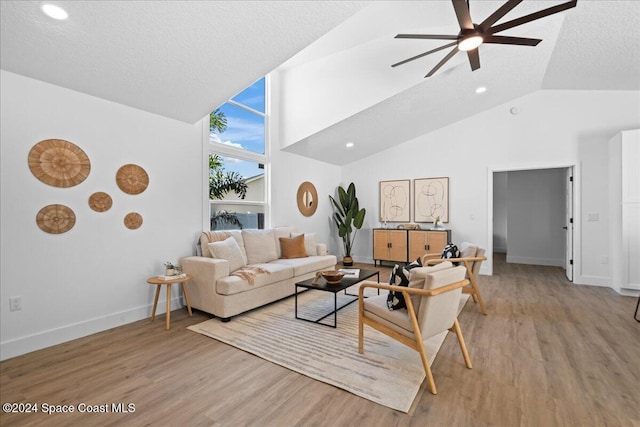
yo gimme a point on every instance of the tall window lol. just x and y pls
(238, 160)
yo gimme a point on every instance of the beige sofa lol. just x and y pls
(222, 286)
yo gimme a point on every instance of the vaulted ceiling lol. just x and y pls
(183, 59)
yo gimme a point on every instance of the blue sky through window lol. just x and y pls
(245, 129)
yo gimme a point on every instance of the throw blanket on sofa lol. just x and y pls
(249, 273)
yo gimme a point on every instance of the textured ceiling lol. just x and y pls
(181, 59)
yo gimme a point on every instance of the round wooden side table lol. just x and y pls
(162, 280)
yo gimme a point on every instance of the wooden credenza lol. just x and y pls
(397, 245)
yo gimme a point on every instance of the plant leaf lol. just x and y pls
(359, 218)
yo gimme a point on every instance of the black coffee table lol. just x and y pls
(322, 285)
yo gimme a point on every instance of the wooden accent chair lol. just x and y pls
(471, 256)
(432, 307)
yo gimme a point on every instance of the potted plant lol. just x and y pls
(348, 218)
(172, 269)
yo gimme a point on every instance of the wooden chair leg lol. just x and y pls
(427, 368)
(360, 330)
(476, 293)
(463, 346)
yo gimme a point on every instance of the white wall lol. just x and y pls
(536, 213)
(288, 171)
(92, 277)
(554, 128)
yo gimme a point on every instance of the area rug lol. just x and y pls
(388, 372)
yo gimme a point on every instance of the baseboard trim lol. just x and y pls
(553, 262)
(23, 345)
(594, 281)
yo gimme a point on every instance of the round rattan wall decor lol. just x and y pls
(100, 202)
(59, 163)
(307, 198)
(132, 179)
(56, 219)
(133, 220)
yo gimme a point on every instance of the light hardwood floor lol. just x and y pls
(549, 353)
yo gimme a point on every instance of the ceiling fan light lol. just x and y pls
(470, 42)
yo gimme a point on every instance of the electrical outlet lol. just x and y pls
(15, 303)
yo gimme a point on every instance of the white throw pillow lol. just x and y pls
(260, 246)
(230, 250)
(309, 242)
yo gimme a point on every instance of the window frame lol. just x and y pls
(221, 149)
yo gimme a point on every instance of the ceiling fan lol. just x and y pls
(471, 35)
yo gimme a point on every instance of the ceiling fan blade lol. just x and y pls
(426, 36)
(498, 14)
(424, 54)
(441, 63)
(474, 59)
(521, 41)
(531, 17)
(462, 13)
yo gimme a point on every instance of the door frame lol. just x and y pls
(488, 269)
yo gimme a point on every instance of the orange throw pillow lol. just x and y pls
(293, 247)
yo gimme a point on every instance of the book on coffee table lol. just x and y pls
(350, 272)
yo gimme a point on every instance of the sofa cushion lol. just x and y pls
(308, 265)
(233, 284)
(260, 246)
(293, 247)
(281, 232)
(217, 236)
(228, 249)
(309, 242)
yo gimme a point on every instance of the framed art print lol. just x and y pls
(431, 199)
(395, 201)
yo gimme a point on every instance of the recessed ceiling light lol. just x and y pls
(481, 89)
(55, 12)
(349, 145)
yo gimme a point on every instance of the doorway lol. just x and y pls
(532, 216)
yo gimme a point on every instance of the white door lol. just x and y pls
(569, 224)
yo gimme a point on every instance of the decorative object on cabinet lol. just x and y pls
(403, 245)
(56, 219)
(431, 199)
(307, 198)
(132, 179)
(100, 201)
(347, 215)
(59, 163)
(409, 226)
(133, 220)
(395, 201)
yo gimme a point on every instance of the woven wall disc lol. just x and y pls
(55, 219)
(59, 163)
(132, 179)
(133, 220)
(100, 202)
